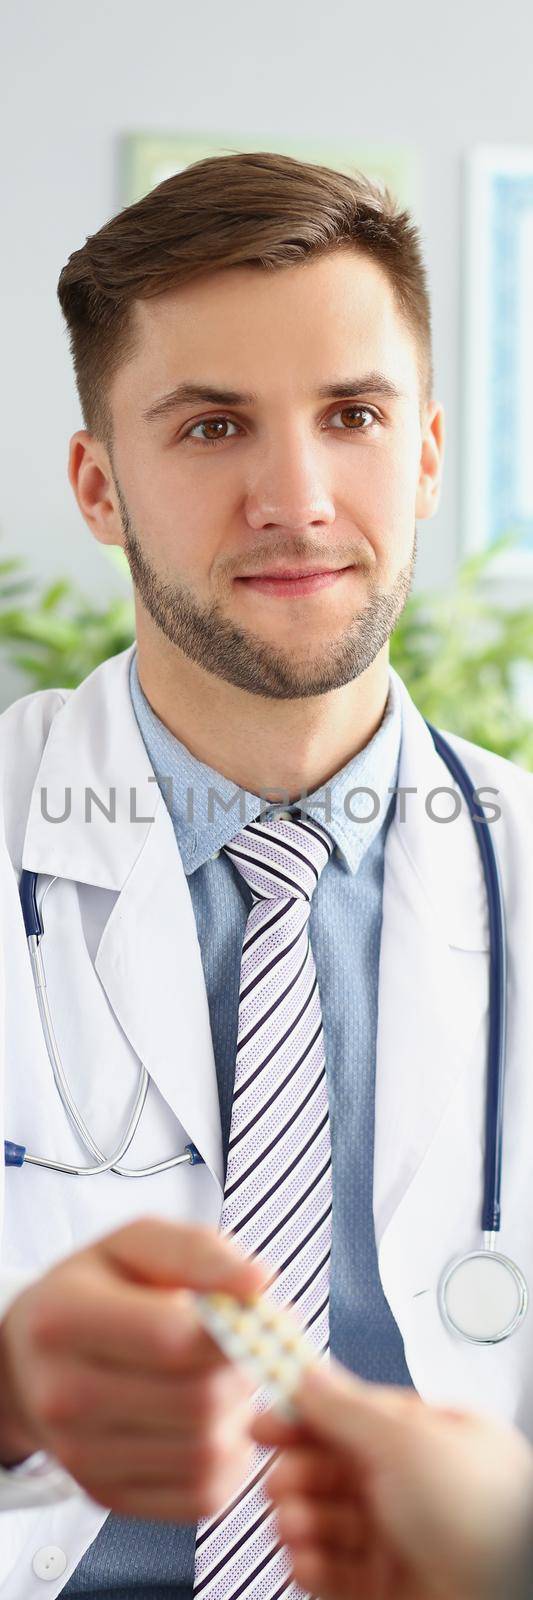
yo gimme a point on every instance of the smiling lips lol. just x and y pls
(294, 582)
(293, 572)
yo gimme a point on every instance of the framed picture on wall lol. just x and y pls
(497, 433)
(146, 159)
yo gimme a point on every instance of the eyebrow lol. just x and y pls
(189, 393)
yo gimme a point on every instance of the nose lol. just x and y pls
(289, 490)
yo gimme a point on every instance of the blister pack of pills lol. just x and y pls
(264, 1338)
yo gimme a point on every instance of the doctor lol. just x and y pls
(254, 884)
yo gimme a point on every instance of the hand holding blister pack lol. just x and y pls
(263, 1338)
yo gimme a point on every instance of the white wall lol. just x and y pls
(75, 78)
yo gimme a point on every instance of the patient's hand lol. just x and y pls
(383, 1497)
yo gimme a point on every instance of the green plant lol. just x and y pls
(63, 634)
(460, 654)
(465, 660)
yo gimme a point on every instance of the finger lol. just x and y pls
(306, 1472)
(271, 1428)
(126, 1326)
(322, 1573)
(154, 1251)
(339, 1526)
(155, 1503)
(185, 1501)
(359, 1417)
(98, 1399)
(154, 1462)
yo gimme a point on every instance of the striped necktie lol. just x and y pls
(277, 1198)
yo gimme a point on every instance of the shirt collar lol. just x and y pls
(208, 809)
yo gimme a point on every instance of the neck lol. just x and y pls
(278, 749)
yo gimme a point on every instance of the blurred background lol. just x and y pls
(99, 104)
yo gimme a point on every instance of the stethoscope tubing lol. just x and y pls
(18, 1155)
(496, 1048)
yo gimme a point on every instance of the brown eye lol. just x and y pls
(212, 422)
(352, 412)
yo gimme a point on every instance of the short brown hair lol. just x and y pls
(255, 209)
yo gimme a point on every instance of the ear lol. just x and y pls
(431, 461)
(91, 477)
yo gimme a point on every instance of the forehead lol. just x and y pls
(271, 330)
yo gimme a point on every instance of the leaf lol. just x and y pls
(57, 592)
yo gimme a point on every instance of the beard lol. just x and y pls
(240, 656)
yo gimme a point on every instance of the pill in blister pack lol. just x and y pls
(264, 1338)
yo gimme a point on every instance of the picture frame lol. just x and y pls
(497, 432)
(147, 158)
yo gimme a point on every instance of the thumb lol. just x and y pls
(362, 1418)
(154, 1251)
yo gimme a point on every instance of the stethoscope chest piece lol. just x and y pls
(483, 1296)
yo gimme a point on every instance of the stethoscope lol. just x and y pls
(482, 1296)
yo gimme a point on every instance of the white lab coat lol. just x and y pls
(126, 984)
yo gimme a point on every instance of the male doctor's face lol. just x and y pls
(272, 420)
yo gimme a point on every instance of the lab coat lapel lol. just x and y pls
(148, 959)
(149, 962)
(432, 995)
(433, 976)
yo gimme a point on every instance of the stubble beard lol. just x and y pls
(243, 658)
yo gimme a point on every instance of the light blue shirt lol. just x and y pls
(148, 1559)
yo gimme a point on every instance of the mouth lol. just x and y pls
(293, 572)
(295, 582)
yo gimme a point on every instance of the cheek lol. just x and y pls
(176, 521)
(383, 503)
(381, 492)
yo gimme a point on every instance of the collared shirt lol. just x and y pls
(134, 1558)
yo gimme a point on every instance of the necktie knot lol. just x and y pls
(281, 858)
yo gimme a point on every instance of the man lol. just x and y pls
(248, 889)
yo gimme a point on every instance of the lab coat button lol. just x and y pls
(49, 1562)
